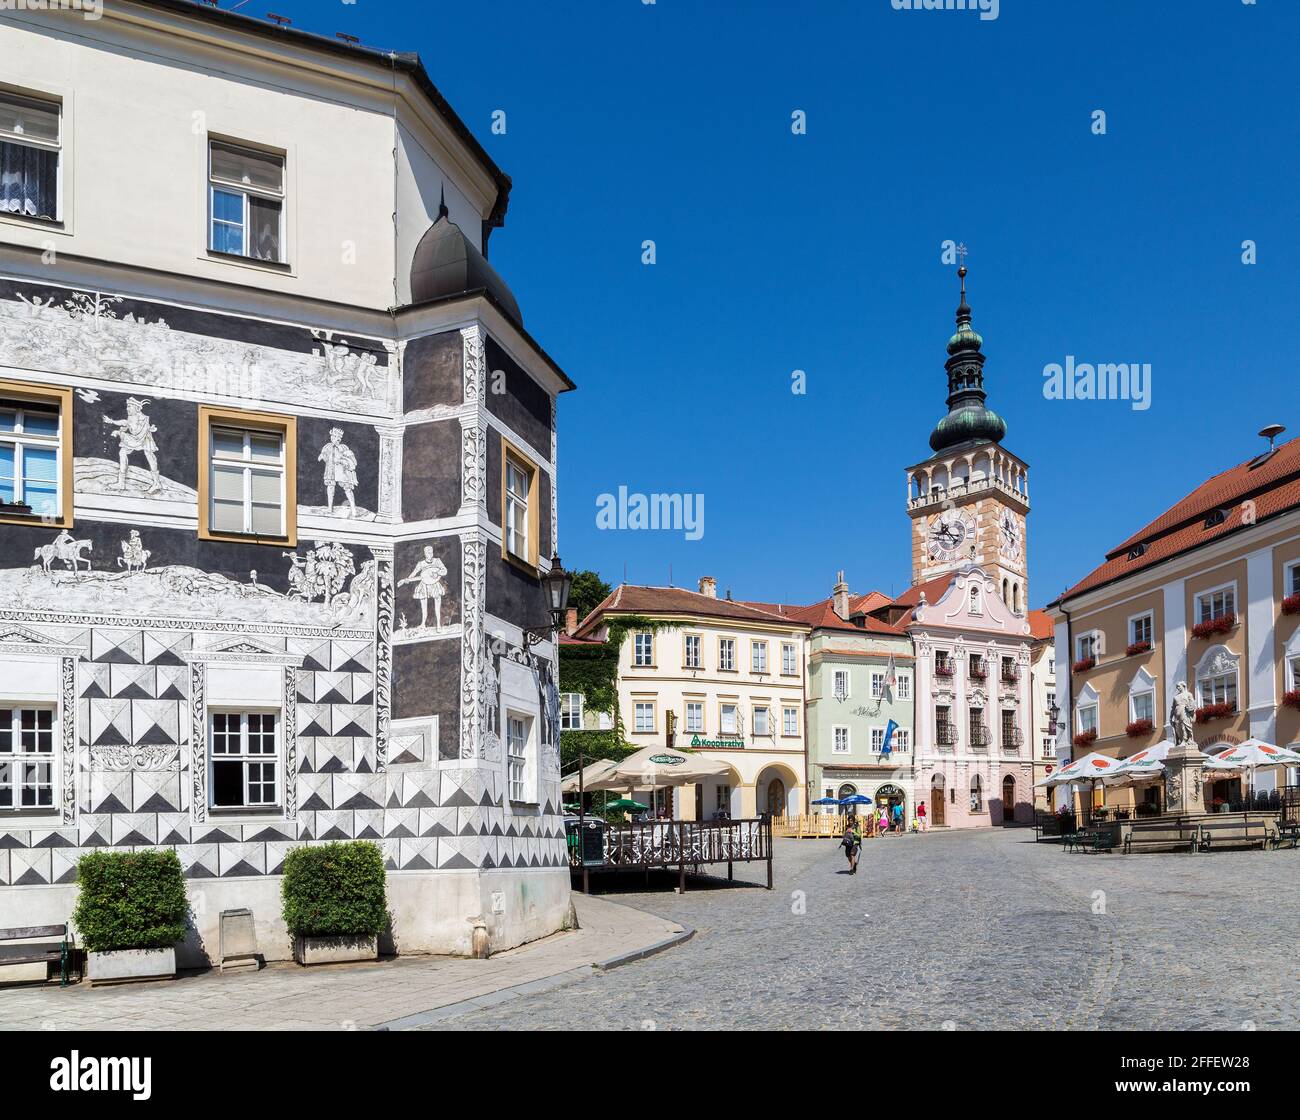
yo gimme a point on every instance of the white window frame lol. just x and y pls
(789, 659)
(247, 191)
(789, 721)
(692, 651)
(696, 726)
(21, 440)
(643, 649)
(1090, 724)
(248, 466)
(902, 739)
(572, 706)
(17, 760)
(877, 684)
(723, 729)
(766, 732)
(1210, 594)
(637, 706)
(1149, 617)
(838, 692)
(757, 655)
(841, 740)
(515, 531)
(519, 758)
(1143, 684)
(246, 758)
(1291, 579)
(903, 686)
(726, 655)
(1090, 641)
(877, 740)
(22, 140)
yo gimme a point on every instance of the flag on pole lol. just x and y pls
(890, 728)
(891, 675)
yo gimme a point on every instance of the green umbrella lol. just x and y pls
(626, 803)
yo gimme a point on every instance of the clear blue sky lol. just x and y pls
(776, 252)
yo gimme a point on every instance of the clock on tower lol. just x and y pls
(969, 501)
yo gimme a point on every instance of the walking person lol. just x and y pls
(883, 823)
(897, 812)
(920, 816)
(852, 844)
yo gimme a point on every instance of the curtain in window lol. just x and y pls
(28, 180)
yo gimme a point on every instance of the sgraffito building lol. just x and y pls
(277, 463)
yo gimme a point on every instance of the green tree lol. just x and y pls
(587, 592)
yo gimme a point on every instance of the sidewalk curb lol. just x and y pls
(533, 987)
(687, 932)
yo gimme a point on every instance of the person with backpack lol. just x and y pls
(852, 844)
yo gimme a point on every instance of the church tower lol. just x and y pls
(969, 501)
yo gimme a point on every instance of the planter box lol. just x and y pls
(335, 950)
(125, 966)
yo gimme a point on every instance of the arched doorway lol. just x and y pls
(1008, 800)
(847, 790)
(937, 799)
(776, 797)
(893, 800)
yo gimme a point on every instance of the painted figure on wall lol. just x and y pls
(64, 547)
(135, 557)
(135, 433)
(324, 572)
(428, 577)
(340, 470)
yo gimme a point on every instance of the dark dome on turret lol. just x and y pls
(968, 421)
(447, 263)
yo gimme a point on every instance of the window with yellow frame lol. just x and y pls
(248, 478)
(35, 454)
(519, 506)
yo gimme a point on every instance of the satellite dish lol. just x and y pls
(1271, 431)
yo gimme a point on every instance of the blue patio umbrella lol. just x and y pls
(856, 799)
(827, 801)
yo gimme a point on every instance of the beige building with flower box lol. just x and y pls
(721, 677)
(1207, 593)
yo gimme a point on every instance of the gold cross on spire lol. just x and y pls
(961, 253)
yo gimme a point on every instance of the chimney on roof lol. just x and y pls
(841, 593)
(571, 621)
(709, 586)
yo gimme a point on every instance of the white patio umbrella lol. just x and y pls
(658, 768)
(1091, 768)
(589, 774)
(1149, 763)
(1252, 755)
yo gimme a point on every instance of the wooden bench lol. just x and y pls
(1224, 834)
(43, 953)
(1152, 839)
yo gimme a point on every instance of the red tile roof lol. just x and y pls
(911, 598)
(1041, 625)
(1273, 486)
(629, 598)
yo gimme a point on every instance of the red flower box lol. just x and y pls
(1084, 665)
(1215, 711)
(1085, 738)
(1291, 699)
(1138, 728)
(1212, 626)
(1136, 648)
(1291, 604)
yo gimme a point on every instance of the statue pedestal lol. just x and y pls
(1183, 791)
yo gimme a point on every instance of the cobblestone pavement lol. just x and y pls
(958, 931)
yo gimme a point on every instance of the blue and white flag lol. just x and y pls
(890, 728)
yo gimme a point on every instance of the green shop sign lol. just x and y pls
(698, 742)
(667, 759)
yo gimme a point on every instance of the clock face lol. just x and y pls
(949, 533)
(1009, 535)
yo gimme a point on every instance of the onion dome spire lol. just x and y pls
(968, 420)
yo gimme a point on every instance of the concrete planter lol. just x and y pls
(126, 966)
(335, 950)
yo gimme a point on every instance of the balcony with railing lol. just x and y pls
(1011, 739)
(979, 737)
(943, 667)
(945, 735)
(978, 670)
(1010, 672)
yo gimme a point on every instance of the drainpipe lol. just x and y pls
(1069, 685)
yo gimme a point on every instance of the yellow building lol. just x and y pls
(721, 677)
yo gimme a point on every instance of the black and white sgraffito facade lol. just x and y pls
(386, 640)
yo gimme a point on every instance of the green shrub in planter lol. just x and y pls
(130, 900)
(335, 890)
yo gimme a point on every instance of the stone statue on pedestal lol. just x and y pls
(1182, 773)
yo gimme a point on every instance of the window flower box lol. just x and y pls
(943, 669)
(1136, 648)
(1291, 604)
(1083, 664)
(978, 672)
(1138, 728)
(1291, 699)
(1215, 711)
(1212, 627)
(1086, 738)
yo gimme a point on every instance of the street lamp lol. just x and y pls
(1053, 714)
(556, 583)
